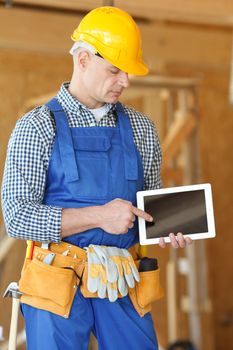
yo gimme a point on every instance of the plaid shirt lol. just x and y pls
(28, 155)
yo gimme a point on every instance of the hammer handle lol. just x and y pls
(14, 324)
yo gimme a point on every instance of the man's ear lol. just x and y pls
(83, 59)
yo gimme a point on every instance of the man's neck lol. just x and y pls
(79, 93)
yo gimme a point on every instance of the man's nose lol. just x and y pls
(124, 79)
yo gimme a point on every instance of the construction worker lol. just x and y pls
(73, 168)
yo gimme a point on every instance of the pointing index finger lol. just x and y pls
(142, 214)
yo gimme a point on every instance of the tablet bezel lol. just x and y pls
(209, 212)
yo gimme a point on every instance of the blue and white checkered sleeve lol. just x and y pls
(147, 140)
(26, 217)
(153, 160)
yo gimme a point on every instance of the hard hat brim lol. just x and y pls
(135, 68)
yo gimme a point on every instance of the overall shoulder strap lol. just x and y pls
(65, 141)
(130, 155)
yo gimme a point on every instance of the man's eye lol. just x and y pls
(115, 71)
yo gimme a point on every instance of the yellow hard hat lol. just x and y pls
(115, 36)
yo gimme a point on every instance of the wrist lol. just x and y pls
(98, 216)
(76, 220)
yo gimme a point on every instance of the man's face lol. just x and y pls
(104, 82)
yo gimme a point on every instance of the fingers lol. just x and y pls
(142, 214)
(131, 221)
(178, 241)
(162, 243)
(181, 240)
(188, 240)
(134, 210)
(131, 225)
(174, 242)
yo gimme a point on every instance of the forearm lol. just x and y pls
(115, 217)
(76, 220)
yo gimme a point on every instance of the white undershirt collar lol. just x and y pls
(100, 112)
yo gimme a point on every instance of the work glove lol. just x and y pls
(112, 291)
(109, 271)
(109, 266)
(125, 266)
(97, 279)
(120, 268)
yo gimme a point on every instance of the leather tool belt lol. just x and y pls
(52, 287)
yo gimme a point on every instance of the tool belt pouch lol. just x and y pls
(48, 287)
(146, 291)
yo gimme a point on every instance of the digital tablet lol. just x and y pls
(186, 209)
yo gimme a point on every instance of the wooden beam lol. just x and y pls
(159, 81)
(208, 12)
(175, 175)
(21, 339)
(37, 101)
(6, 245)
(82, 6)
(179, 130)
(38, 31)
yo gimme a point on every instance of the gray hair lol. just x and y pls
(84, 45)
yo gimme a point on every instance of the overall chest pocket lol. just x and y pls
(92, 158)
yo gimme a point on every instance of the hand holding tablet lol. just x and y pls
(184, 209)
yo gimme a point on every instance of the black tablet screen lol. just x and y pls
(176, 212)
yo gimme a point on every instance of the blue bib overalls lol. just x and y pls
(92, 166)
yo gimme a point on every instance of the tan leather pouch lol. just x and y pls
(146, 291)
(49, 287)
(53, 287)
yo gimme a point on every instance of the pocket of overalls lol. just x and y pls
(93, 163)
(149, 288)
(48, 287)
